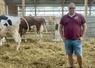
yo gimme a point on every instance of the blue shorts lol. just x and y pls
(73, 46)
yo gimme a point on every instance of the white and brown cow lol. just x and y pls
(10, 24)
(28, 21)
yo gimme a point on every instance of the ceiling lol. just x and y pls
(48, 2)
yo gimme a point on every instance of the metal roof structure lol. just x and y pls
(48, 2)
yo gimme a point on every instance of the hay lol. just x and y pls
(41, 55)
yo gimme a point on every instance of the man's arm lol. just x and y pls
(84, 28)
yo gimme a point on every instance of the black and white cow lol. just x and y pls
(10, 24)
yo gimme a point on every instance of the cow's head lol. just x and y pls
(3, 25)
(6, 22)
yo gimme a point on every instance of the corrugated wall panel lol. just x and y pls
(91, 26)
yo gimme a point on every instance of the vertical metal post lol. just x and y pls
(23, 7)
(90, 9)
(86, 7)
(62, 7)
(35, 6)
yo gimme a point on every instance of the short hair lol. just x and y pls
(71, 5)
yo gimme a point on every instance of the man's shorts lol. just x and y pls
(73, 46)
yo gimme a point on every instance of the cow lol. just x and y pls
(28, 21)
(10, 24)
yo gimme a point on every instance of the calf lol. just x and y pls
(10, 24)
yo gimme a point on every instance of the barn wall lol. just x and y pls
(12, 10)
(91, 26)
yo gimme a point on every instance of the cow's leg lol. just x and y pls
(3, 32)
(2, 41)
(17, 39)
(35, 31)
(34, 27)
(44, 26)
(24, 38)
(40, 32)
(24, 35)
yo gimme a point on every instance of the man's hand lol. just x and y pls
(81, 38)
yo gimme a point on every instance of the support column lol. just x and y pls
(23, 7)
(86, 7)
(35, 6)
(63, 7)
(90, 9)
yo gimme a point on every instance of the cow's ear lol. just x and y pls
(9, 22)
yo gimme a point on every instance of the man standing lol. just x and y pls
(72, 29)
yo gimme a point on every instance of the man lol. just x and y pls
(72, 30)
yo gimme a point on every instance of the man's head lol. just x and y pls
(71, 8)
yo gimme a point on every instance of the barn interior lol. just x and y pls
(47, 53)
